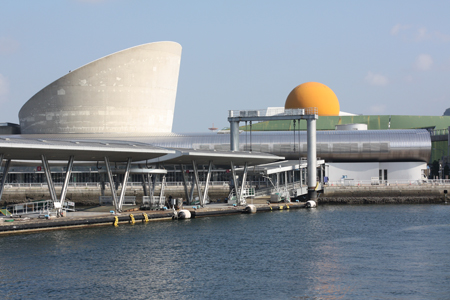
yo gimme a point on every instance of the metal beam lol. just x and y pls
(111, 184)
(208, 177)
(197, 183)
(301, 176)
(183, 175)
(191, 193)
(285, 180)
(278, 181)
(102, 184)
(66, 180)
(288, 114)
(124, 183)
(144, 184)
(163, 186)
(151, 185)
(236, 183)
(48, 177)
(244, 179)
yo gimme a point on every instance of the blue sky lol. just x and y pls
(379, 57)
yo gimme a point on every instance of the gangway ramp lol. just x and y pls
(291, 177)
(5, 212)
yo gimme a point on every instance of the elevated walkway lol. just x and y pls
(294, 175)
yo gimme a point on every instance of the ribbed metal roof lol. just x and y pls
(83, 150)
(366, 145)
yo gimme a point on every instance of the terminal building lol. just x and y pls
(129, 96)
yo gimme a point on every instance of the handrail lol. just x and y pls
(436, 132)
(274, 111)
(355, 183)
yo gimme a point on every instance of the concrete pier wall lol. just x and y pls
(384, 194)
(331, 195)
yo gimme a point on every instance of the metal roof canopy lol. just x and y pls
(116, 151)
(218, 158)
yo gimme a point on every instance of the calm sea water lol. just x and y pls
(332, 252)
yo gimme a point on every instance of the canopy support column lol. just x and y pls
(124, 183)
(48, 177)
(183, 175)
(151, 185)
(66, 180)
(244, 179)
(191, 193)
(286, 180)
(144, 185)
(208, 177)
(236, 184)
(278, 181)
(111, 184)
(162, 190)
(197, 182)
(301, 177)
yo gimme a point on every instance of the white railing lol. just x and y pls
(108, 200)
(262, 187)
(273, 111)
(356, 183)
(98, 184)
(44, 185)
(211, 183)
(35, 207)
(154, 202)
(436, 132)
(282, 187)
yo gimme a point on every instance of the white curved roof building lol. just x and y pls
(131, 91)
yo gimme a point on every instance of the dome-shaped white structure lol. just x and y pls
(131, 91)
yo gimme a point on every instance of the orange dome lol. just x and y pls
(314, 94)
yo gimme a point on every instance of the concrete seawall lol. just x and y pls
(87, 196)
(384, 194)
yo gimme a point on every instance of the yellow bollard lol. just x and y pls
(145, 217)
(132, 221)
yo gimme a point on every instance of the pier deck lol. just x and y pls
(101, 215)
